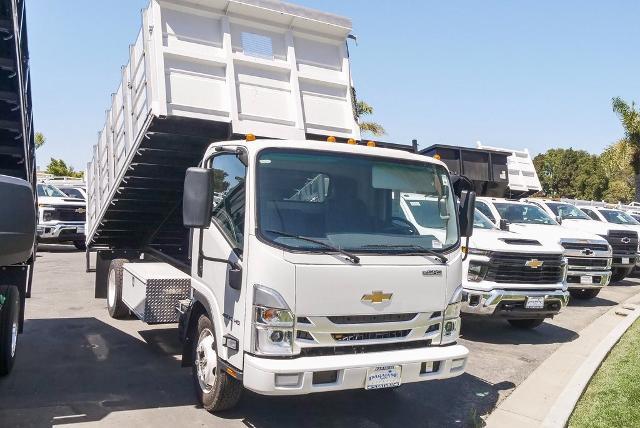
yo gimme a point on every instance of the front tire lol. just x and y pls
(80, 245)
(618, 274)
(117, 308)
(585, 294)
(215, 389)
(9, 320)
(526, 324)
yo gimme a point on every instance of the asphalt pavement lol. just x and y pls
(77, 366)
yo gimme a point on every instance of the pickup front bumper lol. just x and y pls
(296, 376)
(60, 232)
(512, 303)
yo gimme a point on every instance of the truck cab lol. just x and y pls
(60, 218)
(588, 254)
(625, 244)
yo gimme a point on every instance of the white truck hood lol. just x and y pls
(553, 233)
(72, 202)
(592, 226)
(506, 241)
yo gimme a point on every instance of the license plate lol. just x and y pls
(383, 377)
(625, 260)
(586, 279)
(534, 303)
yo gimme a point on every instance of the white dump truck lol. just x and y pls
(279, 256)
(506, 275)
(588, 254)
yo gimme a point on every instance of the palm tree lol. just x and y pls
(629, 116)
(364, 109)
(39, 139)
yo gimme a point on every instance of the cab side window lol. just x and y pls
(229, 197)
(591, 214)
(484, 209)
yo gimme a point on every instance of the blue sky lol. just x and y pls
(537, 74)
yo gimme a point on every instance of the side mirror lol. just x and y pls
(465, 215)
(197, 199)
(504, 224)
(17, 220)
(559, 219)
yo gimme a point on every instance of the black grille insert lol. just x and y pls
(63, 213)
(317, 351)
(525, 269)
(371, 319)
(623, 242)
(513, 241)
(370, 335)
(587, 262)
(578, 246)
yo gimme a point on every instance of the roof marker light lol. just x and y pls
(331, 139)
(351, 141)
(436, 156)
(371, 143)
(250, 137)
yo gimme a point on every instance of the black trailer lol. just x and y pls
(17, 178)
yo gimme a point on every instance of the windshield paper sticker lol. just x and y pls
(436, 244)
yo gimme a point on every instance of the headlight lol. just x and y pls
(451, 322)
(273, 323)
(477, 271)
(47, 215)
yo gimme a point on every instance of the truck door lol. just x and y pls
(224, 240)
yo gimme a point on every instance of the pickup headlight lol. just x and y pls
(273, 323)
(477, 271)
(451, 323)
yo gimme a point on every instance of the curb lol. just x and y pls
(548, 396)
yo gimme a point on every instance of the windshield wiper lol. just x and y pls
(416, 248)
(352, 257)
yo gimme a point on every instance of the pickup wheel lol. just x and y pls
(526, 324)
(117, 308)
(9, 319)
(618, 274)
(585, 294)
(216, 390)
(80, 245)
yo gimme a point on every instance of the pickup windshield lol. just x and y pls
(352, 203)
(50, 191)
(480, 221)
(523, 213)
(567, 211)
(618, 217)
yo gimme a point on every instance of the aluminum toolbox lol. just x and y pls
(152, 291)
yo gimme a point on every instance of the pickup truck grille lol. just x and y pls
(374, 335)
(65, 213)
(372, 319)
(512, 268)
(623, 242)
(581, 247)
(587, 262)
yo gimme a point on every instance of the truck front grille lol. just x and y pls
(582, 247)
(372, 335)
(587, 262)
(64, 213)
(623, 242)
(317, 351)
(521, 268)
(372, 319)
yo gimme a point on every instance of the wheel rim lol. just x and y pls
(111, 292)
(206, 361)
(14, 338)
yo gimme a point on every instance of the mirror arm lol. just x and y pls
(466, 254)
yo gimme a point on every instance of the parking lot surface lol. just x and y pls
(77, 366)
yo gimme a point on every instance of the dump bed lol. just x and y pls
(204, 71)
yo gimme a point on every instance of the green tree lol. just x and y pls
(629, 116)
(364, 109)
(59, 168)
(39, 139)
(616, 164)
(570, 173)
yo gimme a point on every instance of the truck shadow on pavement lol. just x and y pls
(57, 248)
(498, 331)
(78, 370)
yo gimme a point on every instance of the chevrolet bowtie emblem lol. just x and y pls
(533, 263)
(377, 297)
(626, 240)
(80, 210)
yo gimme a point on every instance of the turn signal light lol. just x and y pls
(371, 144)
(331, 139)
(351, 141)
(436, 156)
(251, 137)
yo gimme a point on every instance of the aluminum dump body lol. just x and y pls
(204, 71)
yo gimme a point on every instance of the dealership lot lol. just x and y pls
(78, 366)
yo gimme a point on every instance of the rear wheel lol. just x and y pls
(9, 319)
(618, 274)
(588, 293)
(216, 390)
(80, 245)
(117, 308)
(526, 324)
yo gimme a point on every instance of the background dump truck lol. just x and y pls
(279, 256)
(17, 179)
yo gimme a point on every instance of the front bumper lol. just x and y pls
(269, 376)
(511, 303)
(583, 279)
(60, 232)
(624, 261)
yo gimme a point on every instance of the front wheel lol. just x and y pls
(9, 319)
(526, 324)
(585, 294)
(216, 390)
(80, 245)
(618, 274)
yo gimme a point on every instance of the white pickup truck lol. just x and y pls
(60, 217)
(588, 254)
(508, 275)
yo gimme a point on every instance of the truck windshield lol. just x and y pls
(523, 213)
(480, 221)
(567, 211)
(353, 202)
(618, 217)
(50, 191)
